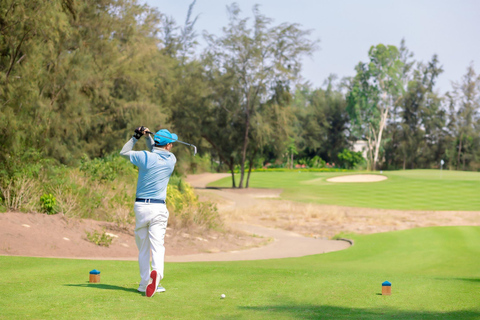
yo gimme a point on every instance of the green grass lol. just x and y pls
(434, 274)
(404, 190)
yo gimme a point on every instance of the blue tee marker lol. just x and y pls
(386, 288)
(94, 276)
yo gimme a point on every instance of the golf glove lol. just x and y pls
(139, 132)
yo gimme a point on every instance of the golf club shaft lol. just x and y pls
(188, 144)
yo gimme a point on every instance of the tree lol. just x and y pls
(420, 115)
(465, 119)
(78, 73)
(273, 127)
(321, 122)
(373, 92)
(258, 59)
(350, 159)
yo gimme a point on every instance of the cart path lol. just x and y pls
(285, 244)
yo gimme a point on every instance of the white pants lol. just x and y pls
(151, 224)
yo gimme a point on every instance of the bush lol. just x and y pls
(48, 203)
(185, 209)
(100, 239)
(315, 162)
(199, 164)
(100, 189)
(19, 193)
(107, 168)
(274, 166)
(350, 159)
(19, 179)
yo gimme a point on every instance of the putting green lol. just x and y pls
(358, 178)
(434, 274)
(404, 190)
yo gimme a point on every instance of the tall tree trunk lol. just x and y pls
(232, 167)
(370, 148)
(245, 141)
(250, 165)
(459, 152)
(383, 121)
(244, 153)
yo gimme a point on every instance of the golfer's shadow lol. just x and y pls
(103, 286)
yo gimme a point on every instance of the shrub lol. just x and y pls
(107, 168)
(185, 209)
(199, 164)
(19, 175)
(315, 162)
(19, 193)
(100, 189)
(350, 159)
(48, 203)
(100, 239)
(207, 215)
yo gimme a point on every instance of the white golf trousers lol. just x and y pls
(150, 226)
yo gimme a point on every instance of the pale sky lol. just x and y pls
(348, 28)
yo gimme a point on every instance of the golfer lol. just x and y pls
(151, 215)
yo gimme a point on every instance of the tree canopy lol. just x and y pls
(76, 77)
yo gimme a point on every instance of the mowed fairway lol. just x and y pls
(403, 190)
(434, 274)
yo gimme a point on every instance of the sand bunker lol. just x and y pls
(358, 178)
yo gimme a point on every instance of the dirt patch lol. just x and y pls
(325, 221)
(358, 178)
(41, 235)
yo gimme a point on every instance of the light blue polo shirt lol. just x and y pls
(154, 171)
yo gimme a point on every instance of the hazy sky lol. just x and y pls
(348, 28)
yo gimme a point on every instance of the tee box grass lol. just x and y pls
(403, 190)
(434, 274)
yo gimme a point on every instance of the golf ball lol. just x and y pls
(222, 296)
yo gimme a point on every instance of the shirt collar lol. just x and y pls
(157, 149)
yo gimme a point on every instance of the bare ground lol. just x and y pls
(40, 235)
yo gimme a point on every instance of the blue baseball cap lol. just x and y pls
(164, 137)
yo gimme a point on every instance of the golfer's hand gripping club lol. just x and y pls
(139, 132)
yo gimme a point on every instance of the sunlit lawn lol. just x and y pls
(434, 274)
(404, 190)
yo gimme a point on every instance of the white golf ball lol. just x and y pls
(222, 296)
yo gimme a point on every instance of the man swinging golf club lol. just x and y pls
(151, 214)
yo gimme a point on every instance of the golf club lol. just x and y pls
(188, 144)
